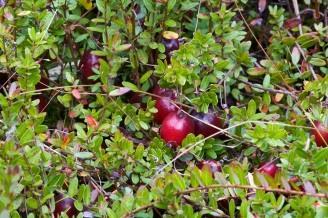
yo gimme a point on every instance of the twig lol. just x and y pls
(268, 89)
(197, 18)
(283, 191)
(249, 28)
(297, 13)
(219, 186)
(305, 57)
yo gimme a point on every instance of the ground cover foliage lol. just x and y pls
(163, 108)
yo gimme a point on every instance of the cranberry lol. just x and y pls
(43, 84)
(204, 129)
(175, 127)
(88, 62)
(170, 41)
(163, 104)
(215, 166)
(66, 205)
(43, 102)
(269, 168)
(135, 97)
(320, 133)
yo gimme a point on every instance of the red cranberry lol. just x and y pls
(135, 97)
(66, 205)
(88, 62)
(215, 166)
(204, 129)
(163, 104)
(320, 133)
(43, 84)
(43, 102)
(269, 168)
(175, 127)
(170, 41)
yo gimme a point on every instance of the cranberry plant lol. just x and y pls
(166, 108)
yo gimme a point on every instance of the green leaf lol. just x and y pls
(257, 71)
(78, 205)
(170, 23)
(139, 152)
(135, 178)
(232, 208)
(266, 81)
(149, 4)
(251, 108)
(207, 177)
(130, 85)
(318, 62)
(80, 132)
(32, 203)
(84, 155)
(171, 4)
(146, 76)
(73, 187)
(178, 182)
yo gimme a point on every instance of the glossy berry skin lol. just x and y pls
(88, 62)
(163, 104)
(135, 98)
(170, 41)
(320, 133)
(175, 127)
(215, 166)
(269, 168)
(204, 129)
(43, 84)
(64, 204)
(43, 103)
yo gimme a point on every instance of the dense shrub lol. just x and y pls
(173, 108)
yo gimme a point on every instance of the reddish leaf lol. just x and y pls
(292, 22)
(71, 114)
(278, 97)
(262, 4)
(76, 94)
(304, 66)
(256, 22)
(296, 55)
(91, 121)
(256, 71)
(66, 141)
(119, 91)
(264, 109)
(308, 187)
(13, 90)
(84, 101)
(9, 16)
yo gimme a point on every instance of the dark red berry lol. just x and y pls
(175, 127)
(269, 168)
(43, 102)
(135, 97)
(214, 166)
(204, 129)
(170, 41)
(163, 104)
(43, 84)
(64, 205)
(320, 133)
(87, 63)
